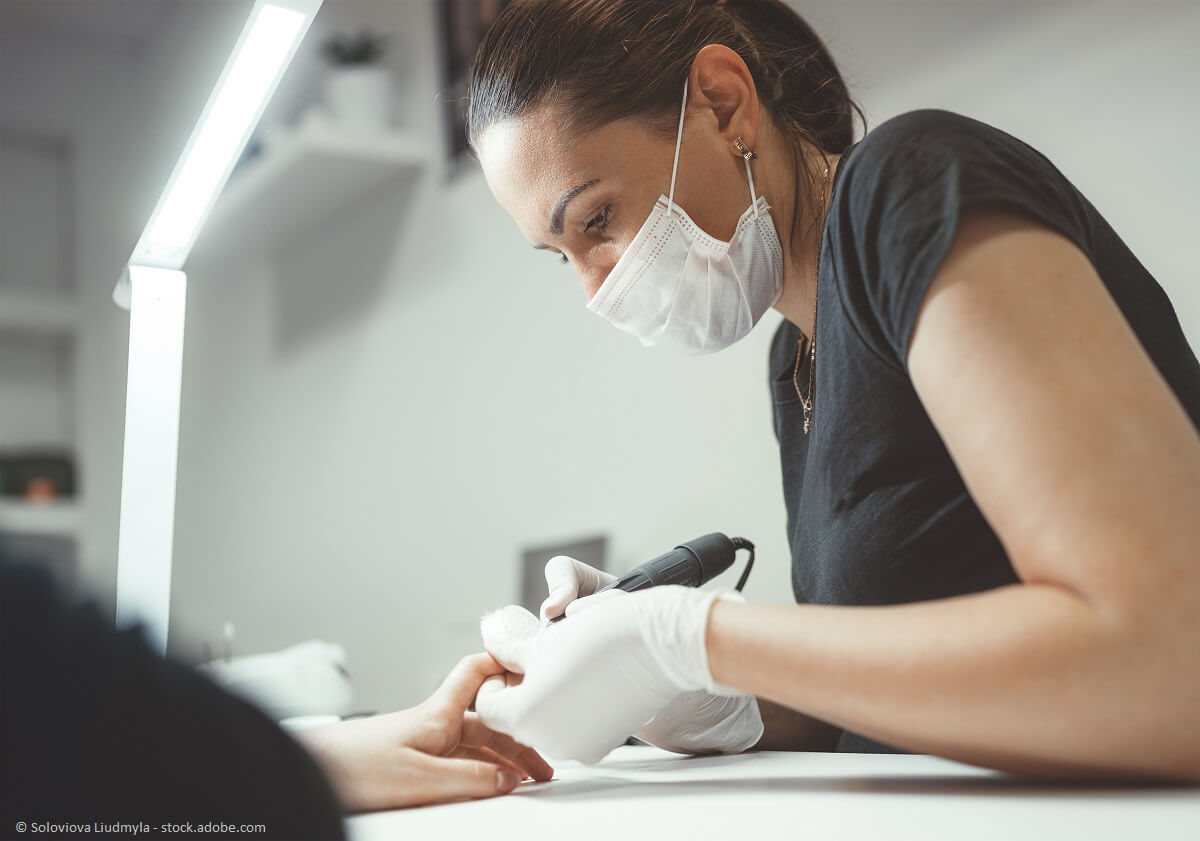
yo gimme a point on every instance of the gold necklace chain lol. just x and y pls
(806, 400)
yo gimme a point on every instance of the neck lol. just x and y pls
(799, 296)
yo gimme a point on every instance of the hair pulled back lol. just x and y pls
(603, 60)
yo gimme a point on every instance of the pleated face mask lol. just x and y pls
(678, 288)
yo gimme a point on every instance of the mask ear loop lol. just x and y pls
(750, 178)
(678, 141)
(675, 163)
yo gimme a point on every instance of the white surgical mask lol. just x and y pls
(678, 288)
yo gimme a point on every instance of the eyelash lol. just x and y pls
(599, 221)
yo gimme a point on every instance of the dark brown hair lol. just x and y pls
(605, 60)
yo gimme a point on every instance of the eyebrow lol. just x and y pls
(560, 207)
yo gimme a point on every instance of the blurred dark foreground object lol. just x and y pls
(95, 727)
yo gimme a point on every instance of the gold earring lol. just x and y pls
(742, 148)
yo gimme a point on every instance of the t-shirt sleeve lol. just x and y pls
(904, 189)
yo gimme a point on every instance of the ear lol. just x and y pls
(720, 83)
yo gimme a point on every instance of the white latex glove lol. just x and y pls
(592, 680)
(567, 580)
(692, 722)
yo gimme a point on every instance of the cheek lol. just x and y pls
(599, 263)
(591, 283)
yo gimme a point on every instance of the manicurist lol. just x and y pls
(985, 407)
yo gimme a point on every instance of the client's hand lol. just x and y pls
(434, 752)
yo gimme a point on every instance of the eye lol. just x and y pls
(600, 220)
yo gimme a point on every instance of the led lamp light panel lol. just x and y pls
(262, 53)
(154, 289)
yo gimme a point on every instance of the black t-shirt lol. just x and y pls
(95, 727)
(877, 512)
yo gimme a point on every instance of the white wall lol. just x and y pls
(375, 426)
(117, 87)
(37, 393)
(86, 99)
(1107, 90)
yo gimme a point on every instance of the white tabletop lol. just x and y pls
(644, 793)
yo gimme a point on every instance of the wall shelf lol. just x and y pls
(41, 518)
(301, 179)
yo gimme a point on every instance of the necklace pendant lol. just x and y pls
(807, 425)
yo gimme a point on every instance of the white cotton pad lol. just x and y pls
(508, 634)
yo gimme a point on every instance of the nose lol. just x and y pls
(592, 277)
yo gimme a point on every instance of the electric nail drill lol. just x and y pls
(691, 564)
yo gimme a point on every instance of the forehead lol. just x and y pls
(528, 151)
(531, 159)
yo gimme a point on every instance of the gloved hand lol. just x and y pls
(591, 681)
(692, 722)
(567, 580)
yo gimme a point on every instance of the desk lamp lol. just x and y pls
(153, 288)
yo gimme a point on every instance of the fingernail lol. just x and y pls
(505, 780)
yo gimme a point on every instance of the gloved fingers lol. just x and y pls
(447, 779)
(461, 685)
(498, 705)
(510, 636)
(699, 722)
(566, 580)
(588, 602)
(477, 734)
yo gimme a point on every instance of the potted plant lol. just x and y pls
(358, 86)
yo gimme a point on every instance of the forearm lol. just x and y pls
(1029, 678)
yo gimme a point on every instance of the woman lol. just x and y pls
(986, 409)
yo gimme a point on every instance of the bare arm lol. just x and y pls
(1088, 469)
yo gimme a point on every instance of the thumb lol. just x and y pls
(562, 583)
(459, 779)
(510, 635)
(566, 580)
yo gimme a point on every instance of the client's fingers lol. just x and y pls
(403, 777)
(476, 734)
(488, 755)
(463, 779)
(460, 686)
